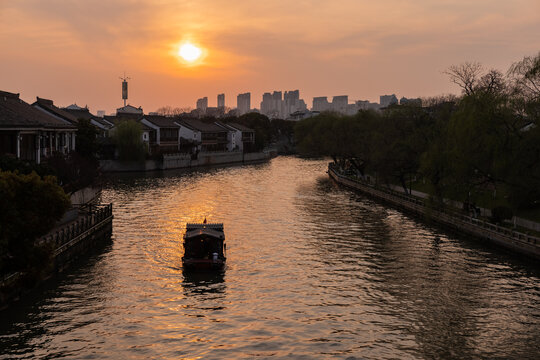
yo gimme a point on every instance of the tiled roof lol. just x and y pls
(161, 121)
(240, 127)
(99, 120)
(200, 126)
(129, 109)
(81, 113)
(48, 106)
(15, 113)
(115, 119)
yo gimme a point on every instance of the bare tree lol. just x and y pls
(525, 77)
(438, 100)
(466, 76)
(492, 82)
(170, 111)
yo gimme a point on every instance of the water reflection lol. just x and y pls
(313, 271)
(203, 282)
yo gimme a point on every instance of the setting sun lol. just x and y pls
(189, 52)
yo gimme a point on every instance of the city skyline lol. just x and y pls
(74, 52)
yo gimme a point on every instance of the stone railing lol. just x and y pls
(530, 244)
(63, 237)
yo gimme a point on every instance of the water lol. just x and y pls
(314, 271)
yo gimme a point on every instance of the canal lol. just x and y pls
(314, 271)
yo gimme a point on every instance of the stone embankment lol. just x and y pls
(69, 242)
(181, 161)
(513, 240)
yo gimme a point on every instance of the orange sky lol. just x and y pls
(73, 51)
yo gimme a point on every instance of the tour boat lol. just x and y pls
(204, 246)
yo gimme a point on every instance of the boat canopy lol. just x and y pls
(204, 231)
(215, 226)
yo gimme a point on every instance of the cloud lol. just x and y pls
(342, 45)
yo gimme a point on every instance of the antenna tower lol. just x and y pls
(125, 87)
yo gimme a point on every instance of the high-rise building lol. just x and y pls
(202, 105)
(339, 103)
(243, 103)
(277, 105)
(266, 104)
(320, 103)
(221, 101)
(387, 100)
(366, 105)
(412, 102)
(292, 103)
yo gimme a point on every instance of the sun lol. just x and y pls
(189, 52)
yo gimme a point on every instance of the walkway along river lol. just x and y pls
(314, 271)
(523, 243)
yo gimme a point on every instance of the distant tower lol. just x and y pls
(221, 101)
(243, 103)
(125, 88)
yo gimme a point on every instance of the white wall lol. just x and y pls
(187, 133)
(150, 125)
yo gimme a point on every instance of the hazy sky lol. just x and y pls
(73, 51)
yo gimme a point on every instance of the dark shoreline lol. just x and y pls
(511, 240)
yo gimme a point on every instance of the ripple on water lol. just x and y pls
(314, 271)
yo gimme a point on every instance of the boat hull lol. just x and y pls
(203, 264)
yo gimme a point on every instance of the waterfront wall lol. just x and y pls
(179, 161)
(69, 241)
(528, 224)
(76, 238)
(513, 240)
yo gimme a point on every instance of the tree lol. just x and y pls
(261, 124)
(401, 138)
(465, 75)
(525, 77)
(128, 140)
(172, 111)
(73, 171)
(29, 208)
(86, 144)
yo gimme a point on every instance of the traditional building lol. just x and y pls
(166, 135)
(239, 137)
(29, 133)
(129, 111)
(48, 107)
(205, 137)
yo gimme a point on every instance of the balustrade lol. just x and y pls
(445, 215)
(69, 232)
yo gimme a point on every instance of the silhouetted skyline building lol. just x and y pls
(387, 100)
(366, 105)
(243, 103)
(339, 103)
(221, 101)
(412, 101)
(320, 103)
(277, 105)
(202, 105)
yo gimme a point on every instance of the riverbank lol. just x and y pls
(68, 242)
(182, 161)
(507, 238)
